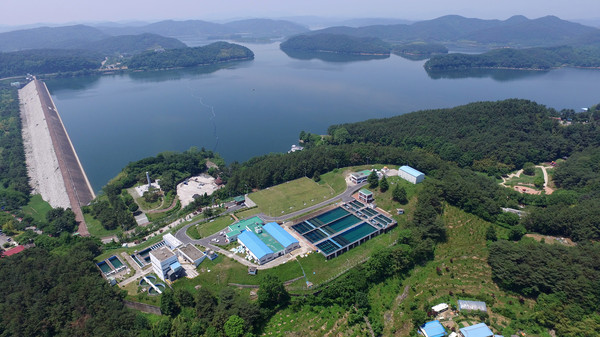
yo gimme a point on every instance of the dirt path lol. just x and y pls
(164, 210)
(546, 181)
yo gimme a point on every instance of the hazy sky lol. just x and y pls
(20, 12)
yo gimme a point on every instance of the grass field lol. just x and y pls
(205, 229)
(297, 194)
(37, 208)
(524, 179)
(96, 229)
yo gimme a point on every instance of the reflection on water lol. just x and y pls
(333, 57)
(500, 75)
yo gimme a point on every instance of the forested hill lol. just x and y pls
(48, 61)
(190, 57)
(494, 137)
(517, 31)
(530, 58)
(342, 44)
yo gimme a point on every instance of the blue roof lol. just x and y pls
(411, 171)
(175, 266)
(477, 330)
(252, 242)
(285, 238)
(433, 329)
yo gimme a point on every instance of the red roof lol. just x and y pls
(14, 251)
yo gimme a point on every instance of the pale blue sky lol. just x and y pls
(20, 12)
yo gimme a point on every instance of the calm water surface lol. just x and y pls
(251, 108)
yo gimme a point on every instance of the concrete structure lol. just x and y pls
(410, 174)
(477, 330)
(165, 264)
(171, 241)
(288, 242)
(433, 329)
(471, 305)
(365, 195)
(360, 177)
(256, 248)
(191, 254)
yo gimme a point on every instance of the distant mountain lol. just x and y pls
(133, 44)
(332, 43)
(49, 37)
(373, 21)
(253, 28)
(517, 31)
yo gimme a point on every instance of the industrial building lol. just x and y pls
(165, 264)
(360, 177)
(263, 243)
(477, 330)
(171, 241)
(410, 174)
(365, 195)
(433, 329)
(191, 254)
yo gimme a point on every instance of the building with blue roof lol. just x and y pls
(256, 247)
(477, 330)
(410, 174)
(433, 329)
(288, 242)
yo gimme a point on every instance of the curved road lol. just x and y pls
(182, 236)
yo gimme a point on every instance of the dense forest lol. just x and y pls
(14, 183)
(419, 49)
(333, 43)
(531, 58)
(48, 61)
(190, 57)
(55, 290)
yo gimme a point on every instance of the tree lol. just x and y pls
(384, 185)
(539, 182)
(341, 136)
(373, 179)
(234, 327)
(516, 233)
(399, 194)
(490, 233)
(272, 293)
(529, 169)
(168, 305)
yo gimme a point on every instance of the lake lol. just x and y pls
(246, 109)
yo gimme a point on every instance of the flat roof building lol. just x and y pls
(360, 177)
(172, 241)
(477, 330)
(236, 228)
(192, 254)
(165, 264)
(365, 195)
(433, 329)
(410, 174)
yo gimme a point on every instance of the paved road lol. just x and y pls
(183, 237)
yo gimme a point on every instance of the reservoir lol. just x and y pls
(245, 109)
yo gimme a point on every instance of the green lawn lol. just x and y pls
(295, 195)
(205, 229)
(525, 179)
(96, 229)
(37, 208)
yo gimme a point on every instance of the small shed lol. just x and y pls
(471, 305)
(433, 329)
(252, 270)
(239, 200)
(439, 308)
(400, 211)
(365, 195)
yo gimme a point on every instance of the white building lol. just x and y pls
(191, 254)
(410, 174)
(172, 241)
(165, 264)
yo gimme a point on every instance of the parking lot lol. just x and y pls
(5, 239)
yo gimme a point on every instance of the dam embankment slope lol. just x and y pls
(52, 163)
